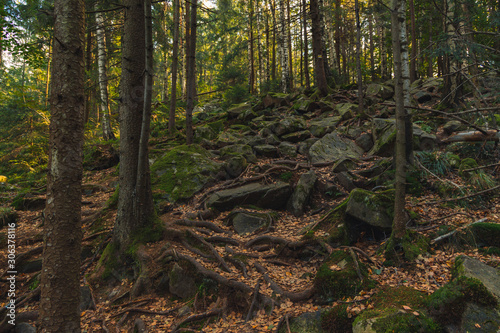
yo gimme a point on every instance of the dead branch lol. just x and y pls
(356, 264)
(146, 311)
(293, 296)
(482, 167)
(474, 136)
(197, 317)
(451, 233)
(461, 198)
(357, 249)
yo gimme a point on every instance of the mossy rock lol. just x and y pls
(337, 278)
(388, 314)
(204, 132)
(481, 235)
(337, 320)
(184, 171)
(7, 216)
(333, 224)
(373, 208)
(408, 248)
(238, 150)
(467, 163)
(448, 303)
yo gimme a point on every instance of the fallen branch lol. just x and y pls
(440, 238)
(461, 198)
(145, 311)
(356, 264)
(473, 136)
(482, 167)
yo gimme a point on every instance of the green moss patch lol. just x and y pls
(337, 320)
(183, 171)
(337, 278)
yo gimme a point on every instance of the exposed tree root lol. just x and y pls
(254, 300)
(202, 224)
(190, 319)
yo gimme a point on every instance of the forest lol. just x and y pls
(290, 166)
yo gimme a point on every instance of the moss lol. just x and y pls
(337, 278)
(337, 320)
(448, 303)
(406, 323)
(482, 234)
(112, 202)
(7, 216)
(217, 126)
(467, 163)
(408, 248)
(286, 176)
(183, 171)
(108, 261)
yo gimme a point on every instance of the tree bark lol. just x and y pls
(306, 46)
(289, 38)
(399, 223)
(358, 58)
(251, 66)
(413, 59)
(283, 49)
(452, 91)
(191, 73)
(135, 209)
(60, 277)
(107, 132)
(319, 69)
(175, 61)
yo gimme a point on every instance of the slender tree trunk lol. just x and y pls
(107, 132)
(319, 69)
(135, 209)
(372, 47)
(452, 91)
(88, 67)
(268, 52)
(251, 67)
(430, 61)
(399, 223)
(289, 38)
(306, 46)
(175, 61)
(358, 58)
(338, 32)
(191, 74)
(259, 45)
(275, 29)
(283, 48)
(60, 277)
(383, 53)
(332, 61)
(47, 80)
(413, 60)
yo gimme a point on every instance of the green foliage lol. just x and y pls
(286, 176)
(437, 162)
(236, 94)
(408, 248)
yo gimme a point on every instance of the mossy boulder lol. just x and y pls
(486, 234)
(297, 136)
(346, 110)
(238, 149)
(373, 208)
(287, 149)
(472, 268)
(245, 222)
(288, 125)
(321, 126)
(332, 148)
(235, 110)
(308, 322)
(204, 132)
(381, 91)
(465, 164)
(235, 165)
(184, 171)
(301, 194)
(338, 278)
(396, 309)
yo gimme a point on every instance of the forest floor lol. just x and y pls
(161, 312)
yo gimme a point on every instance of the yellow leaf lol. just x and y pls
(407, 308)
(3, 179)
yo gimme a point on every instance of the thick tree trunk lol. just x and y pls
(306, 46)
(319, 69)
(107, 132)
(60, 277)
(175, 61)
(191, 73)
(134, 207)
(399, 223)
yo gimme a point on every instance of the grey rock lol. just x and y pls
(288, 125)
(488, 319)
(274, 196)
(236, 110)
(304, 146)
(204, 132)
(346, 181)
(245, 222)
(370, 207)
(322, 126)
(344, 164)
(473, 268)
(287, 149)
(302, 193)
(238, 149)
(273, 140)
(235, 165)
(266, 150)
(24, 328)
(297, 136)
(380, 91)
(309, 322)
(346, 110)
(452, 126)
(333, 148)
(181, 283)
(422, 96)
(86, 302)
(365, 141)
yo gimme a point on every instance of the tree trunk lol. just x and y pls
(338, 32)
(191, 73)
(107, 132)
(47, 79)
(306, 46)
(372, 47)
(135, 209)
(60, 277)
(175, 61)
(319, 69)
(275, 29)
(259, 46)
(251, 67)
(413, 60)
(283, 49)
(358, 58)
(289, 38)
(452, 91)
(399, 223)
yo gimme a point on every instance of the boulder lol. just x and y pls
(322, 126)
(181, 283)
(245, 222)
(452, 126)
(24, 328)
(346, 110)
(235, 165)
(86, 301)
(238, 149)
(297, 136)
(381, 91)
(473, 268)
(204, 132)
(308, 322)
(304, 146)
(266, 150)
(371, 208)
(300, 197)
(184, 171)
(365, 141)
(287, 149)
(422, 96)
(332, 148)
(236, 110)
(273, 100)
(273, 196)
(288, 125)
